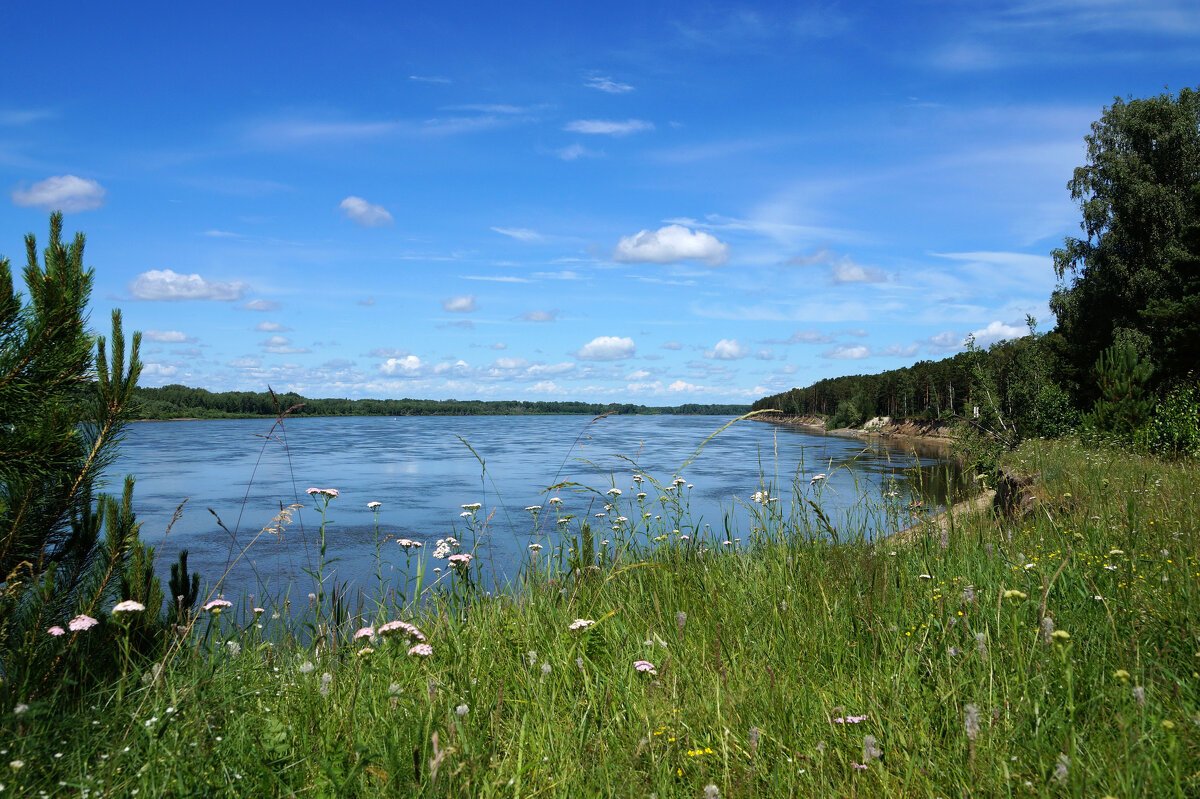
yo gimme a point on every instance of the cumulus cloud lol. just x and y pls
(608, 127)
(261, 305)
(727, 349)
(607, 84)
(670, 244)
(846, 271)
(680, 385)
(365, 214)
(281, 345)
(544, 387)
(998, 331)
(606, 348)
(152, 369)
(269, 327)
(168, 336)
(66, 193)
(943, 342)
(518, 233)
(847, 352)
(463, 303)
(164, 284)
(540, 316)
(408, 366)
(902, 350)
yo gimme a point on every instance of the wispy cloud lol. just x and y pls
(20, 117)
(429, 79)
(606, 84)
(608, 127)
(464, 303)
(519, 233)
(168, 337)
(497, 278)
(540, 316)
(573, 152)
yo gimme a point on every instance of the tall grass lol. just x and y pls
(1057, 655)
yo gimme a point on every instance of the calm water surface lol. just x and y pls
(423, 473)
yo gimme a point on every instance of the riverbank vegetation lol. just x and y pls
(1051, 655)
(182, 402)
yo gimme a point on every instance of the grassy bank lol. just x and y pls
(1054, 656)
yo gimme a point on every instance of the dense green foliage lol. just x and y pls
(64, 548)
(177, 402)
(1052, 656)
(1133, 277)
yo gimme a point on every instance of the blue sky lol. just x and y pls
(608, 202)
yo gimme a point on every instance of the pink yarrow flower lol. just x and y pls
(329, 492)
(401, 626)
(859, 766)
(461, 559)
(644, 665)
(217, 605)
(128, 606)
(364, 632)
(424, 650)
(56, 631)
(849, 719)
(81, 622)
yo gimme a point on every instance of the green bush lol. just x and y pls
(1174, 429)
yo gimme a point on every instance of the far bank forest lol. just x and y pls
(1123, 362)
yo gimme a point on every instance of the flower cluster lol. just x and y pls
(326, 492)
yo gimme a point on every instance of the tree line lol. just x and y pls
(180, 402)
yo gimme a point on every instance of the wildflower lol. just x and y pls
(546, 669)
(925, 576)
(613, 492)
(870, 750)
(56, 631)
(462, 710)
(20, 709)
(466, 513)
(968, 594)
(373, 505)
(326, 682)
(1013, 593)
(81, 622)
(235, 648)
(580, 624)
(944, 543)
(680, 620)
(1062, 636)
(307, 667)
(645, 666)
(128, 606)
(850, 719)
(362, 653)
(534, 547)
(312, 597)
(532, 657)
(259, 611)
(461, 559)
(364, 632)
(1121, 675)
(394, 689)
(971, 721)
(817, 477)
(554, 501)
(711, 792)
(217, 605)
(1063, 769)
(858, 766)
(1139, 695)
(328, 492)
(754, 733)
(1047, 629)
(564, 521)
(16, 764)
(424, 650)
(402, 626)
(981, 644)
(685, 538)
(407, 543)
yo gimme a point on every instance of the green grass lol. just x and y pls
(757, 650)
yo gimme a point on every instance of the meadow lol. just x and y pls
(1052, 655)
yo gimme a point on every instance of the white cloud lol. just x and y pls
(902, 351)
(540, 316)
(608, 127)
(280, 345)
(164, 284)
(670, 244)
(519, 233)
(429, 79)
(408, 366)
(365, 214)
(728, 349)
(270, 327)
(464, 303)
(607, 84)
(997, 331)
(679, 385)
(167, 336)
(152, 369)
(387, 352)
(847, 352)
(261, 305)
(672, 345)
(846, 271)
(544, 387)
(576, 151)
(944, 342)
(66, 193)
(245, 363)
(497, 278)
(499, 345)
(606, 348)
(511, 363)
(638, 374)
